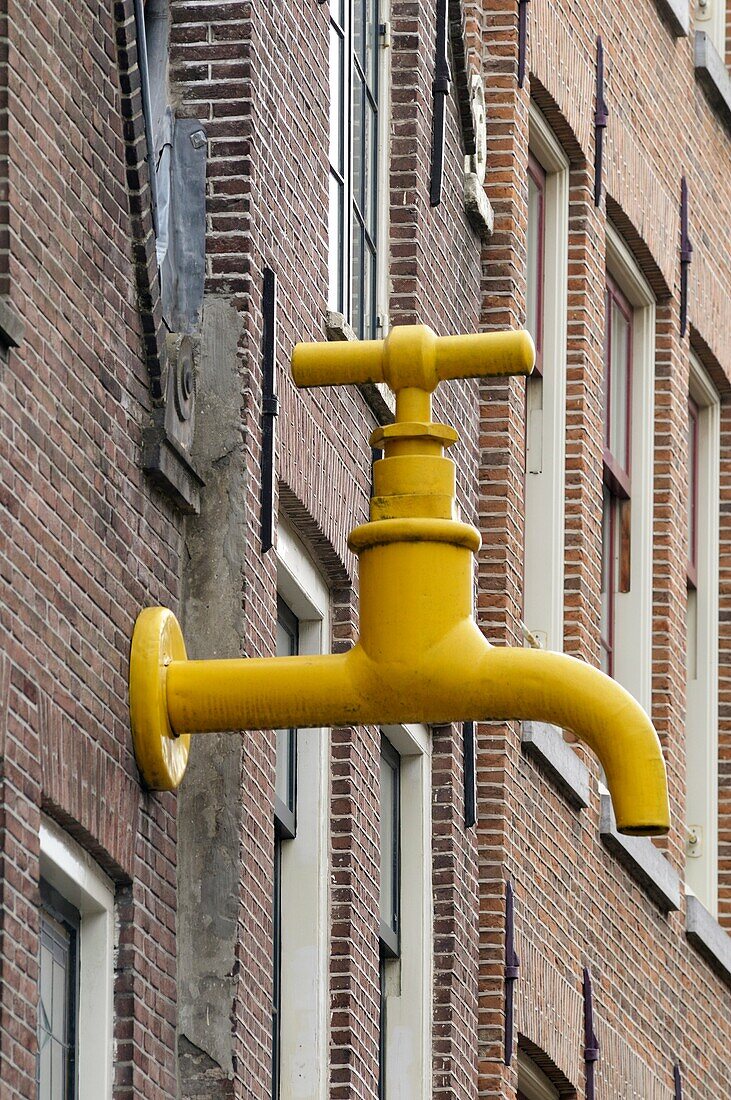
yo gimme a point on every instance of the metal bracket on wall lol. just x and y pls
(470, 774)
(440, 91)
(269, 408)
(522, 39)
(601, 117)
(686, 255)
(591, 1043)
(512, 971)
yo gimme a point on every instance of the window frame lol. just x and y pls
(532, 1083)
(407, 980)
(545, 464)
(701, 726)
(632, 626)
(305, 860)
(343, 285)
(75, 876)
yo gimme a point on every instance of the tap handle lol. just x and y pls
(413, 356)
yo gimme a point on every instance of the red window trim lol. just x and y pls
(538, 174)
(692, 564)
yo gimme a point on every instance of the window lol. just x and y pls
(152, 41)
(75, 972)
(358, 138)
(58, 999)
(301, 872)
(617, 456)
(405, 913)
(389, 909)
(546, 294)
(532, 1084)
(628, 427)
(702, 637)
(285, 826)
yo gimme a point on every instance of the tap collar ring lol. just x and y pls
(384, 531)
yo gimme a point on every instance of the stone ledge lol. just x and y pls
(378, 396)
(545, 744)
(713, 75)
(677, 13)
(641, 859)
(478, 206)
(11, 326)
(707, 935)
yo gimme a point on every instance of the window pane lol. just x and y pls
(369, 169)
(390, 830)
(358, 139)
(335, 245)
(534, 258)
(606, 624)
(58, 978)
(692, 495)
(370, 66)
(285, 776)
(619, 387)
(369, 294)
(336, 99)
(358, 305)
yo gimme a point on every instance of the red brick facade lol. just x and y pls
(88, 539)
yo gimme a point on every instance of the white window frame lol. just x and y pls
(74, 874)
(532, 1083)
(382, 183)
(409, 977)
(701, 722)
(633, 622)
(710, 17)
(305, 871)
(546, 408)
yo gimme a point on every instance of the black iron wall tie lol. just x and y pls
(678, 1082)
(601, 117)
(269, 407)
(512, 971)
(686, 255)
(470, 774)
(440, 91)
(591, 1043)
(522, 39)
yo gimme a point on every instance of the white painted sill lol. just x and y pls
(545, 745)
(641, 859)
(677, 13)
(706, 934)
(712, 73)
(378, 396)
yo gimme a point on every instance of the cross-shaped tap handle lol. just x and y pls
(413, 357)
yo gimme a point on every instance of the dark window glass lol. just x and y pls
(616, 514)
(58, 1001)
(535, 256)
(390, 883)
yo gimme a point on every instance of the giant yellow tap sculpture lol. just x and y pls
(420, 656)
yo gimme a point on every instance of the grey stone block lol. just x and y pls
(545, 744)
(644, 862)
(712, 72)
(705, 933)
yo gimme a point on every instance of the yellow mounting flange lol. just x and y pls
(162, 755)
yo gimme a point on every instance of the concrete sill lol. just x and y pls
(706, 934)
(378, 396)
(11, 326)
(545, 744)
(713, 75)
(641, 859)
(677, 13)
